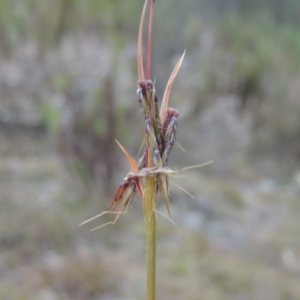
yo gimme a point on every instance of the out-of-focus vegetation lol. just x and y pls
(257, 62)
(67, 82)
(247, 50)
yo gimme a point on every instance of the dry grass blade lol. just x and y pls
(140, 67)
(165, 100)
(101, 226)
(181, 148)
(164, 191)
(97, 216)
(181, 188)
(197, 166)
(169, 219)
(153, 171)
(132, 162)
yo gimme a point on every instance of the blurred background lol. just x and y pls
(68, 90)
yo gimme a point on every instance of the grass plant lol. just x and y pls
(150, 174)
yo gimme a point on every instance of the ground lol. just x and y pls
(238, 239)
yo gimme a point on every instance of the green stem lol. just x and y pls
(150, 220)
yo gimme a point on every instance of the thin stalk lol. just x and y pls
(150, 189)
(150, 220)
(149, 48)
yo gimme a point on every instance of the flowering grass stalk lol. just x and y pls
(150, 174)
(156, 149)
(150, 193)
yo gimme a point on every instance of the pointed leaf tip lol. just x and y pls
(132, 162)
(140, 67)
(165, 100)
(164, 191)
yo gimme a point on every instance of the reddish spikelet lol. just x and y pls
(119, 193)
